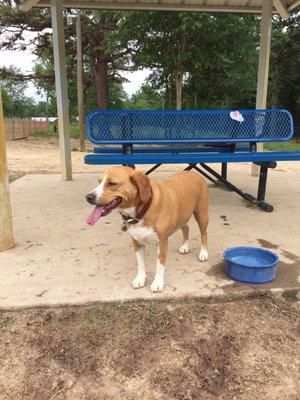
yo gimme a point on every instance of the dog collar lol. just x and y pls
(127, 220)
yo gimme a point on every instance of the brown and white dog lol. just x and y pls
(154, 210)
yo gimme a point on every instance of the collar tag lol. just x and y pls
(124, 227)
(128, 221)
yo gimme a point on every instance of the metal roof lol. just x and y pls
(283, 7)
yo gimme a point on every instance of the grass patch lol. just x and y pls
(291, 145)
(51, 134)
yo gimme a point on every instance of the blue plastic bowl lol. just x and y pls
(250, 264)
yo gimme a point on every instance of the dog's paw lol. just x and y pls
(157, 285)
(139, 281)
(203, 256)
(184, 249)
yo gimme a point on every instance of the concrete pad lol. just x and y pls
(58, 259)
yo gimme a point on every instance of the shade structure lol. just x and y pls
(283, 7)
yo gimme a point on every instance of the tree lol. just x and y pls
(163, 41)
(15, 103)
(41, 109)
(104, 50)
(7, 103)
(224, 70)
(211, 55)
(284, 90)
(146, 98)
(20, 107)
(117, 97)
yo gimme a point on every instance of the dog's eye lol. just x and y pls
(112, 184)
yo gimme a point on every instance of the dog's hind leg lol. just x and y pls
(201, 216)
(139, 280)
(185, 243)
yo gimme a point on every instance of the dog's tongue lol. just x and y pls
(95, 215)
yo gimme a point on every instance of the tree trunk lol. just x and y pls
(170, 97)
(101, 83)
(178, 86)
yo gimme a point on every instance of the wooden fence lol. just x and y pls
(21, 128)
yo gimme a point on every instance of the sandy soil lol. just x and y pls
(36, 155)
(42, 155)
(39, 155)
(151, 350)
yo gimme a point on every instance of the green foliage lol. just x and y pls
(7, 103)
(146, 98)
(284, 88)
(224, 70)
(15, 103)
(52, 133)
(41, 109)
(117, 97)
(214, 54)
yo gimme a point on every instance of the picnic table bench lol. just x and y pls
(196, 138)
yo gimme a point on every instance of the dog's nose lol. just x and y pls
(91, 197)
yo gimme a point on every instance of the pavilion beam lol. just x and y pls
(281, 8)
(27, 5)
(294, 5)
(263, 64)
(6, 229)
(111, 5)
(61, 89)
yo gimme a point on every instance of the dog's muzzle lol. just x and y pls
(91, 198)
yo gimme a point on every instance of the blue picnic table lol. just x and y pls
(193, 137)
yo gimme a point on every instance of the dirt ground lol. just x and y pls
(40, 155)
(151, 350)
(36, 154)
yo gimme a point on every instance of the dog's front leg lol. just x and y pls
(139, 280)
(158, 283)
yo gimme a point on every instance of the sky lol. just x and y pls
(25, 60)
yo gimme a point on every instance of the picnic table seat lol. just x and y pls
(193, 137)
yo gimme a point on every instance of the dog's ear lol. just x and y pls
(143, 184)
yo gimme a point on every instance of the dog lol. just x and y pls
(153, 211)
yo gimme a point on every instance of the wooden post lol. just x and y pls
(79, 82)
(61, 88)
(6, 230)
(23, 129)
(263, 64)
(47, 110)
